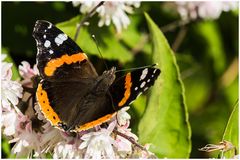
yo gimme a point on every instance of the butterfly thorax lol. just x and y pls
(104, 82)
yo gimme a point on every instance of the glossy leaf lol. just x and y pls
(165, 122)
(231, 133)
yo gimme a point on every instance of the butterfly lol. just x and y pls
(71, 94)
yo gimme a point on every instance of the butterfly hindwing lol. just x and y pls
(66, 103)
(126, 89)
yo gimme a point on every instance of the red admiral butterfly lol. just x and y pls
(71, 95)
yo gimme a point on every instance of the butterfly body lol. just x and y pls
(71, 95)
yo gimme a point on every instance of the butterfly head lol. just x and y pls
(109, 75)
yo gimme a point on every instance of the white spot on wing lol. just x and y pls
(144, 74)
(143, 84)
(60, 39)
(136, 88)
(50, 26)
(47, 43)
(51, 51)
(44, 36)
(145, 89)
(148, 80)
(154, 71)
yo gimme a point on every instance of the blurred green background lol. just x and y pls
(207, 57)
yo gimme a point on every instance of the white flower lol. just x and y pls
(5, 68)
(99, 144)
(9, 122)
(61, 144)
(110, 11)
(26, 140)
(67, 151)
(123, 145)
(204, 9)
(39, 113)
(69, 147)
(19, 127)
(123, 118)
(236, 157)
(10, 90)
(146, 154)
(50, 137)
(27, 73)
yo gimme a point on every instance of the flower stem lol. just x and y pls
(90, 14)
(129, 139)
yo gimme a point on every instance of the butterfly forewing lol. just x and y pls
(58, 56)
(126, 89)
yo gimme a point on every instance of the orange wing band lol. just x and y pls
(128, 85)
(92, 124)
(53, 64)
(45, 107)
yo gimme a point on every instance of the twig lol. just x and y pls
(174, 25)
(230, 74)
(130, 139)
(179, 38)
(139, 46)
(90, 14)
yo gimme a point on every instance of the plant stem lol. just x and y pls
(179, 38)
(172, 26)
(90, 14)
(129, 139)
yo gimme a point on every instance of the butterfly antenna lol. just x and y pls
(96, 42)
(133, 69)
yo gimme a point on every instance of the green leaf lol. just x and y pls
(165, 122)
(134, 38)
(210, 33)
(108, 41)
(231, 131)
(6, 148)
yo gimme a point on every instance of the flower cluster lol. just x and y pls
(10, 90)
(204, 9)
(115, 12)
(33, 136)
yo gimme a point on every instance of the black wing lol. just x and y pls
(69, 104)
(67, 78)
(59, 57)
(126, 89)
